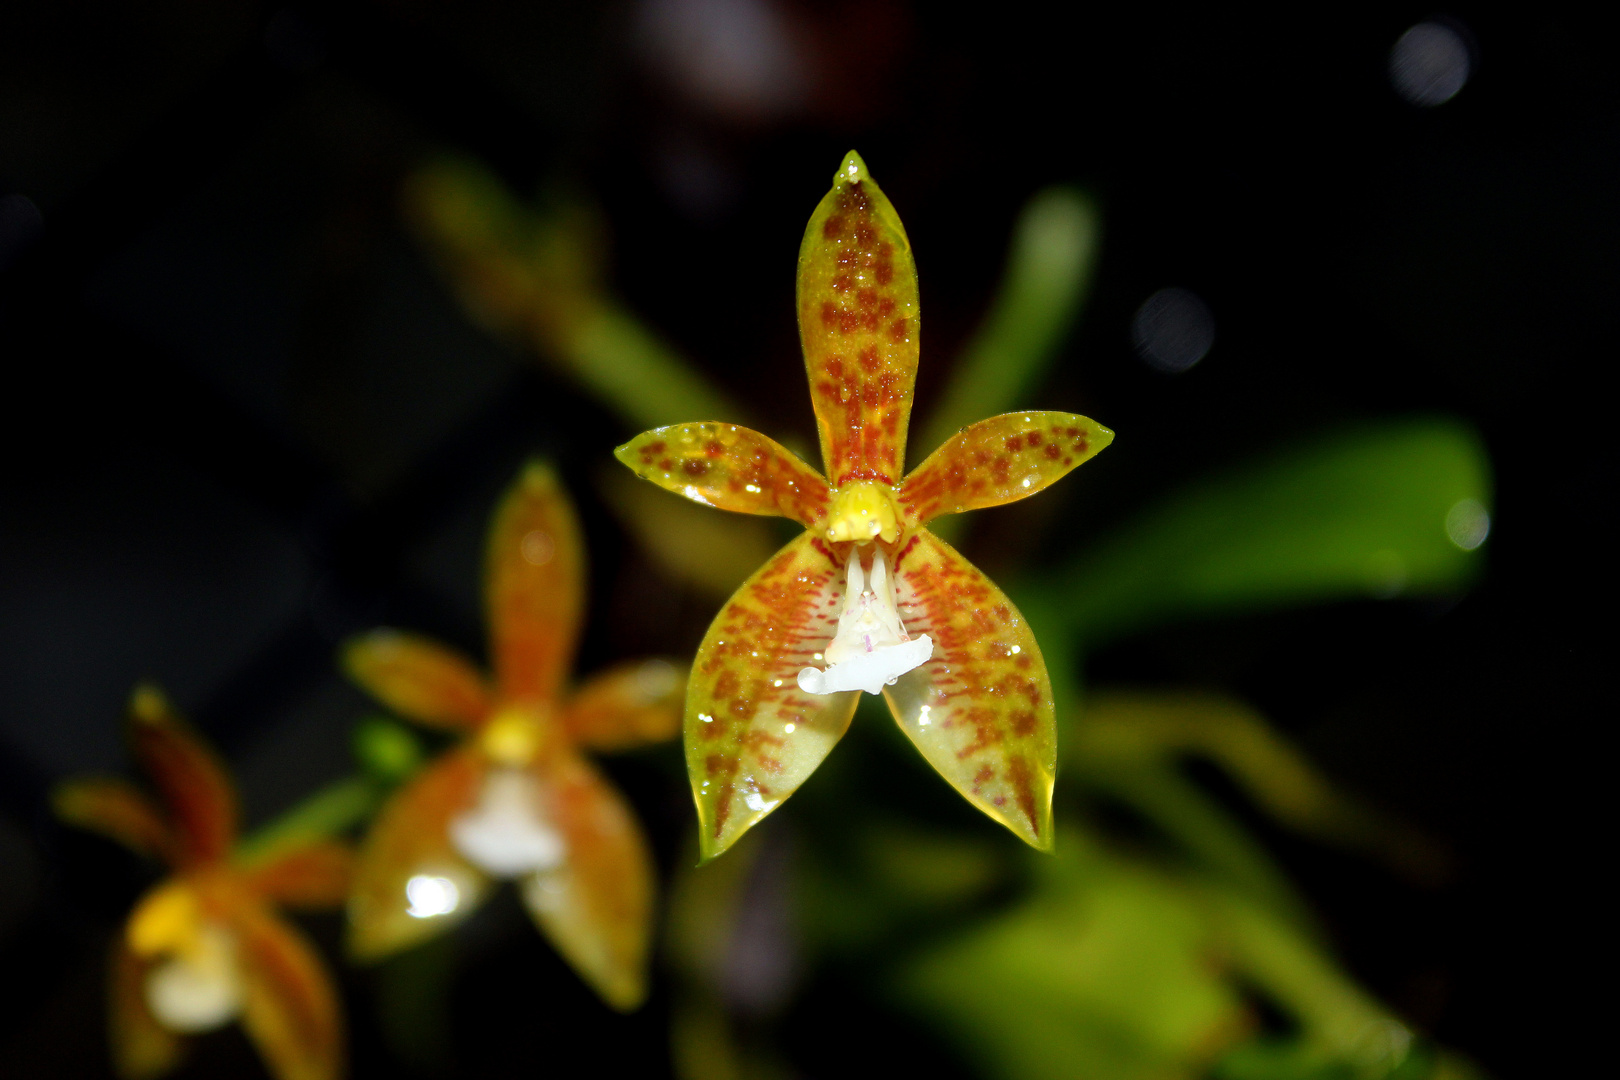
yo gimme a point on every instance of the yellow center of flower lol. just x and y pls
(864, 510)
(168, 920)
(513, 736)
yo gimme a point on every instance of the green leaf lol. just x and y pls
(1387, 510)
(1103, 971)
(1048, 274)
(536, 277)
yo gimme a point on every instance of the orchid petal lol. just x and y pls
(535, 586)
(596, 904)
(981, 709)
(200, 799)
(142, 1048)
(118, 810)
(410, 882)
(752, 735)
(858, 312)
(313, 875)
(627, 706)
(1000, 460)
(289, 1007)
(731, 467)
(418, 678)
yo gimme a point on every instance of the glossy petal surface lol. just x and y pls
(536, 573)
(752, 736)
(1000, 460)
(141, 1047)
(117, 809)
(628, 705)
(418, 678)
(200, 800)
(981, 709)
(596, 907)
(857, 300)
(289, 1008)
(731, 467)
(314, 875)
(410, 839)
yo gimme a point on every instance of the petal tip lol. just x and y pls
(148, 705)
(851, 170)
(539, 477)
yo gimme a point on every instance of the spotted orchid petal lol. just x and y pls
(142, 1048)
(418, 679)
(752, 734)
(410, 881)
(312, 875)
(118, 810)
(731, 467)
(857, 301)
(1000, 460)
(535, 587)
(595, 903)
(289, 1007)
(200, 799)
(980, 709)
(627, 706)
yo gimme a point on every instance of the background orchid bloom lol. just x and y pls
(205, 946)
(515, 799)
(867, 591)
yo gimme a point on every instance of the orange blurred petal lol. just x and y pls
(1000, 460)
(418, 678)
(410, 839)
(980, 709)
(289, 1007)
(116, 809)
(628, 705)
(731, 467)
(141, 1047)
(536, 574)
(596, 907)
(199, 797)
(315, 875)
(858, 321)
(752, 736)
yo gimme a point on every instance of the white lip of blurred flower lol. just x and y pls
(504, 834)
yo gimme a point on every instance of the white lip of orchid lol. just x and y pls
(504, 834)
(871, 648)
(199, 989)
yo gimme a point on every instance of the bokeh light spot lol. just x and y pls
(430, 896)
(1429, 64)
(1468, 524)
(1173, 330)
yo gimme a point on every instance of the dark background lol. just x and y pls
(242, 417)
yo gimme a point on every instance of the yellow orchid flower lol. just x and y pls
(515, 800)
(205, 946)
(866, 599)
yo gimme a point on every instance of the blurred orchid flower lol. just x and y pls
(515, 799)
(206, 946)
(867, 598)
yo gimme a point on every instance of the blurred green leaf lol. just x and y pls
(1048, 273)
(1381, 511)
(1102, 971)
(537, 278)
(1124, 742)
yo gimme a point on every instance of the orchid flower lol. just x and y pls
(866, 599)
(205, 946)
(515, 800)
